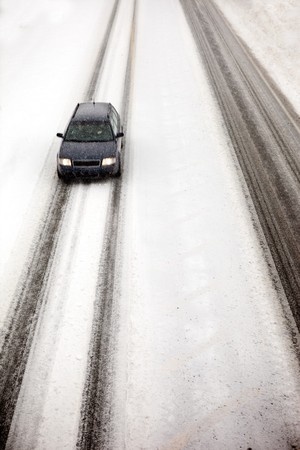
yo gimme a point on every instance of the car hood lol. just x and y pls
(87, 150)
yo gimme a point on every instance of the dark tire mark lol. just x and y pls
(22, 319)
(94, 81)
(20, 326)
(96, 427)
(264, 133)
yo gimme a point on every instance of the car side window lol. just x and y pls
(116, 118)
(114, 125)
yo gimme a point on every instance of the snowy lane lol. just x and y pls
(54, 339)
(265, 137)
(30, 294)
(209, 361)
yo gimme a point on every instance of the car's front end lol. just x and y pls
(89, 150)
(88, 159)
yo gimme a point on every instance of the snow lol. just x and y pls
(202, 313)
(271, 30)
(45, 65)
(205, 358)
(53, 383)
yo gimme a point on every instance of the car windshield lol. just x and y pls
(89, 132)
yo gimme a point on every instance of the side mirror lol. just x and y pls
(119, 135)
(59, 135)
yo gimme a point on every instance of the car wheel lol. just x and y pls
(62, 178)
(119, 171)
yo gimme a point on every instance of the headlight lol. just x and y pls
(64, 161)
(108, 161)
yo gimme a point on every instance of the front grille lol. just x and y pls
(87, 163)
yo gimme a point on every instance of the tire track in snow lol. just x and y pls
(20, 325)
(265, 135)
(96, 411)
(95, 78)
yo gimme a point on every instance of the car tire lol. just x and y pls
(119, 171)
(65, 180)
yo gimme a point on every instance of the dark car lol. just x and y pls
(92, 143)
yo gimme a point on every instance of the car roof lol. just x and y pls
(92, 111)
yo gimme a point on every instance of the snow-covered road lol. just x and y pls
(201, 354)
(206, 344)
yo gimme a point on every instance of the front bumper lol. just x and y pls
(87, 171)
